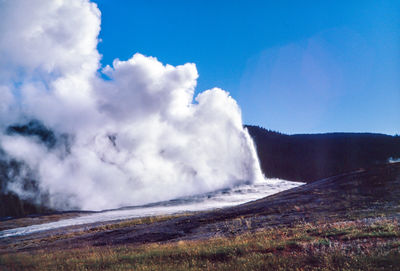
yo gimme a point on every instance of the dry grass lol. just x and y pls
(105, 227)
(339, 246)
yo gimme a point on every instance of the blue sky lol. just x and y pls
(293, 66)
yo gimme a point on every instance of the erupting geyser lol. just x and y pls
(77, 140)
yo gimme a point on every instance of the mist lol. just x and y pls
(78, 136)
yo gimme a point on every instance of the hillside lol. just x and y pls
(347, 222)
(366, 193)
(310, 157)
(12, 171)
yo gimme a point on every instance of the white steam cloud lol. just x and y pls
(136, 138)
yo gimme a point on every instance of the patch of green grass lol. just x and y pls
(323, 242)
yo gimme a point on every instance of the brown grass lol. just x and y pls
(338, 246)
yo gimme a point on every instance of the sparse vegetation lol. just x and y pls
(338, 246)
(349, 222)
(135, 221)
(105, 227)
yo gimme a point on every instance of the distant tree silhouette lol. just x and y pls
(310, 157)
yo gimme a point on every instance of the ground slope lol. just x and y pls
(347, 222)
(365, 194)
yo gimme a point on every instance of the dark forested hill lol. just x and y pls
(310, 157)
(14, 172)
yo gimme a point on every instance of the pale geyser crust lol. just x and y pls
(131, 134)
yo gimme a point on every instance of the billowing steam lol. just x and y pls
(77, 140)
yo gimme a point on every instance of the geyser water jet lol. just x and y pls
(138, 137)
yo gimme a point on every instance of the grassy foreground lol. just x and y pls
(359, 245)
